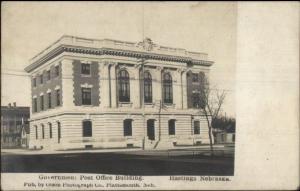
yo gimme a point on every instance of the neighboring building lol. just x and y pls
(224, 137)
(108, 93)
(25, 136)
(13, 119)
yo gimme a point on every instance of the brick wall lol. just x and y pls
(79, 79)
(42, 88)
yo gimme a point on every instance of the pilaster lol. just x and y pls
(104, 85)
(113, 85)
(67, 83)
(184, 89)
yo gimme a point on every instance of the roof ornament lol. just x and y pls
(147, 44)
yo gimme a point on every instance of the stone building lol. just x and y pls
(89, 93)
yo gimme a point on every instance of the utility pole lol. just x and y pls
(143, 100)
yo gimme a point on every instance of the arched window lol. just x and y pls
(127, 125)
(147, 88)
(124, 86)
(50, 130)
(87, 128)
(167, 88)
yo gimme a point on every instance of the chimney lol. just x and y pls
(15, 104)
(9, 105)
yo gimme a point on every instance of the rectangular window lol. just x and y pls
(56, 70)
(195, 78)
(57, 97)
(41, 79)
(34, 82)
(172, 127)
(42, 102)
(50, 130)
(85, 69)
(87, 128)
(196, 127)
(43, 132)
(86, 96)
(48, 75)
(127, 125)
(49, 100)
(36, 132)
(34, 104)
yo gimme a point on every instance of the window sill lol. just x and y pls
(125, 104)
(87, 105)
(169, 105)
(85, 75)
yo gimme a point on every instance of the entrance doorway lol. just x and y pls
(151, 129)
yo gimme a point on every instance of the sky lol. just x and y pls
(29, 27)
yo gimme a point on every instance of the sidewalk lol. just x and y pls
(124, 150)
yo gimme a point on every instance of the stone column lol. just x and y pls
(184, 89)
(157, 85)
(67, 92)
(136, 96)
(104, 85)
(178, 89)
(113, 85)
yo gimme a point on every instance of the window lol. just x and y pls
(196, 127)
(124, 86)
(195, 77)
(172, 127)
(34, 82)
(167, 89)
(50, 130)
(56, 70)
(86, 96)
(41, 79)
(34, 104)
(42, 102)
(86, 69)
(43, 132)
(147, 88)
(57, 97)
(48, 75)
(58, 132)
(49, 100)
(196, 100)
(87, 128)
(127, 125)
(36, 132)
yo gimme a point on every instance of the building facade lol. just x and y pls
(89, 93)
(13, 120)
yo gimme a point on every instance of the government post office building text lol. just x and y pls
(89, 93)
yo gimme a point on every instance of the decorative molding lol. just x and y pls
(86, 85)
(114, 52)
(147, 44)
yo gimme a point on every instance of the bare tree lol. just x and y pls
(211, 101)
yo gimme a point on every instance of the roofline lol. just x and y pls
(65, 47)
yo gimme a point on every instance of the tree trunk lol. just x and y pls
(210, 140)
(209, 135)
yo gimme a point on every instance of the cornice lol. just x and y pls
(115, 52)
